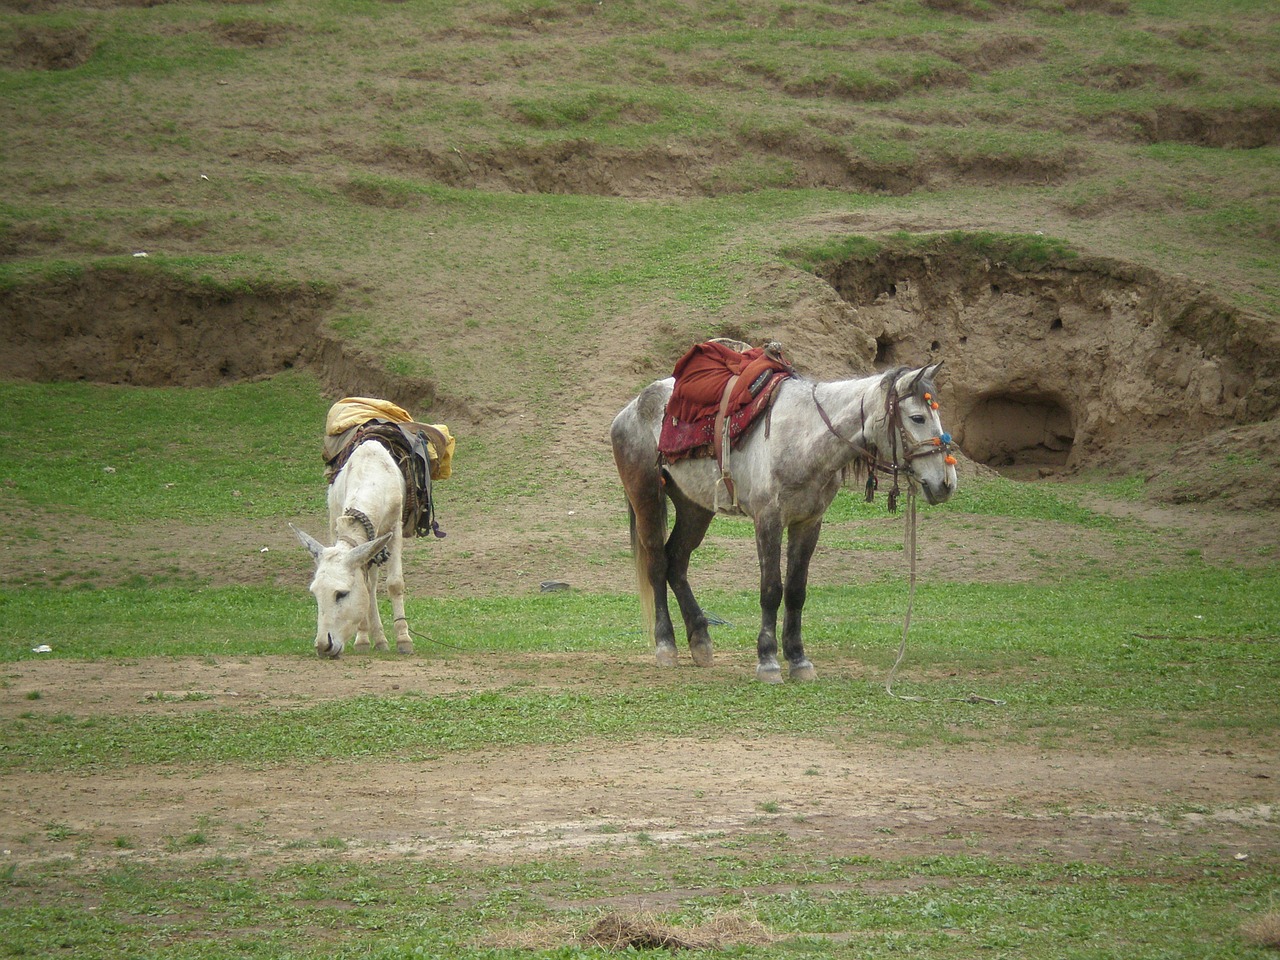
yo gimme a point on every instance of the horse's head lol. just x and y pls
(341, 589)
(923, 446)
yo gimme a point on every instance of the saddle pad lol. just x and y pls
(701, 377)
(692, 438)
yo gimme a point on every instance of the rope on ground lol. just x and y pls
(423, 636)
(909, 546)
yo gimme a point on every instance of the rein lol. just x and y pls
(909, 546)
(897, 431)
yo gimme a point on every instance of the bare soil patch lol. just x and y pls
(593, 800)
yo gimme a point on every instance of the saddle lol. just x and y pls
(423, 452)
(722, 387)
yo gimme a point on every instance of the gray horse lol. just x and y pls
(784, 479)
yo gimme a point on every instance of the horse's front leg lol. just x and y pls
(769, 551)
(802, 538)
(395, 589)
(664, 630)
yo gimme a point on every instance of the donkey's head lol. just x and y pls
(922, 445)
(341, 589)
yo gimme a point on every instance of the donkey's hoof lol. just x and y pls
(665, 655)
(769, 673)
(404, 646)
(803, 670)
(702, 655)
(362, 646)
(382, 646)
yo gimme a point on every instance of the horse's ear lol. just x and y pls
(314, 547)
(918, 380)
(363, 555)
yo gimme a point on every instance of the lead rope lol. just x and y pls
(423, 636)
(909, 546)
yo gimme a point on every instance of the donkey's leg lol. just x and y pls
(802, 538)
(366, 630)
(376, 633)
(395, 589)
(769, 551)
(690, 527)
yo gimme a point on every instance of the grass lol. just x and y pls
(181, 463)
(1113, 649)
(482, 196)
(424, 906)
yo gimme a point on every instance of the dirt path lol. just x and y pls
(602, 800)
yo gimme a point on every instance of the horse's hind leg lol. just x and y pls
(648, 544)
(690, 527)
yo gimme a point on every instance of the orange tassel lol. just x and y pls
(949, 460)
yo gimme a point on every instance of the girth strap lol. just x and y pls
(723, 445)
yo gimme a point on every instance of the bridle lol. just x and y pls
(899, 459)
(383, 555)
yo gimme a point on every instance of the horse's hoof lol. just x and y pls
(404, 646)
(382, 646)
(769, 674)
(362, 646)
(803, 670)
(665, 655)
(702, 655)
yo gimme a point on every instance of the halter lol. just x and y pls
(362, 518)
(897, 430)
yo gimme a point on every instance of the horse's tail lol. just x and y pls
(640, 557)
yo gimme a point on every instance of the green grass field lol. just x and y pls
(524, 211)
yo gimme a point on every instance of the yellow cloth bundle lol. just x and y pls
(352, 411)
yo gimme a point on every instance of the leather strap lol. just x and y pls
(722, 441)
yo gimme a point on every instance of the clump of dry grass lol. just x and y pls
(1264, 930)
(644, 931)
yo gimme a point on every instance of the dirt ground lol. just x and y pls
(591, 800)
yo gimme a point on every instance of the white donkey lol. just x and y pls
(366, 500)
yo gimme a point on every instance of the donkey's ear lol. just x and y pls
(314, 547)
(363, 555)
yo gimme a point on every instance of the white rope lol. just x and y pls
(909, 547)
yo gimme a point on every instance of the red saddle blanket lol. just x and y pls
(701, 377)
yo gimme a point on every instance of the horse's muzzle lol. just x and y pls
(937, 493)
